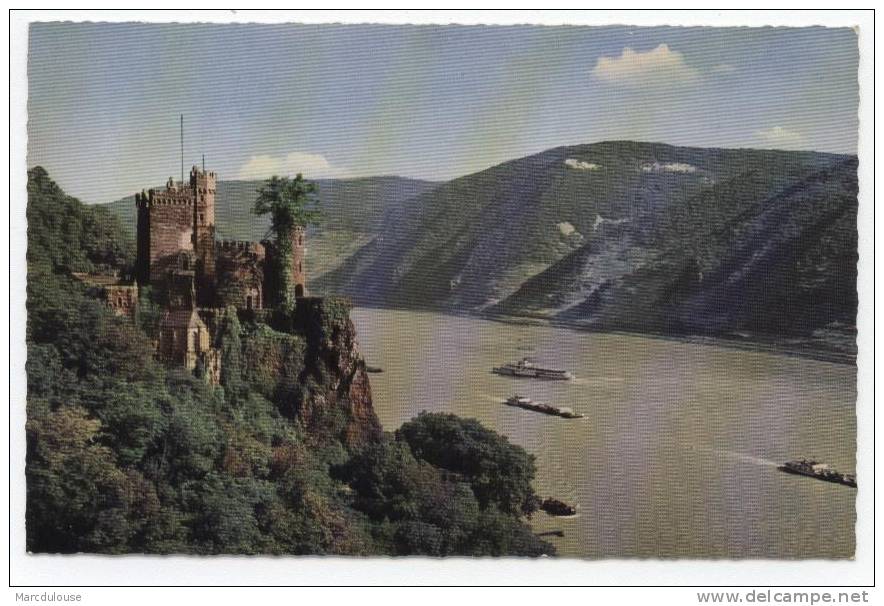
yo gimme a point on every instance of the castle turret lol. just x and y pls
(202, 190)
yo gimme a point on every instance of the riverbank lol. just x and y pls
(835, 346)
(814, 348)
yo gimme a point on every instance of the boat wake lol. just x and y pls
(749, 459)
(485, 397)
(738, 456)
(597, 380)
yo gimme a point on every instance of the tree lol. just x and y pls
(229, 342)
(499, 472)
(77, 498)
(427, 510)
(290, 203)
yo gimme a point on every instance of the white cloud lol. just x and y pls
(581, 165)
(312, 166)
(669, 167)
(659, 67)
(780, 138)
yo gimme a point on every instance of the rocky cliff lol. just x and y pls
(334, 372)
(308, 363)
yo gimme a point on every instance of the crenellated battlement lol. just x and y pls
(202, 175)
(165, 199)
(174, 194)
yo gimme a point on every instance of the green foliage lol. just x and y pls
(65, 235)
(149, 312)
(425, 510)
(335, 313)
(229, 342)
(272, 364)
(499, 473)
(290, 203)
(77, 497)
(227, 511)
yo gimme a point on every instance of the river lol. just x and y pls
(677, 454)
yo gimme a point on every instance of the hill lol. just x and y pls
(620, 235)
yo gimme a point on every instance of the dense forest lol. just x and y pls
(125, 455)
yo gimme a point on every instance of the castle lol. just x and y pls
(194, 274)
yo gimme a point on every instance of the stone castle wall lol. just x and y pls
(240, 274)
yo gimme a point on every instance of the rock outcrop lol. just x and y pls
(337, 385)
(307, 361)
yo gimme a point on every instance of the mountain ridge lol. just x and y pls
(498, 241)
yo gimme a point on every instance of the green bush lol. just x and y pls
(500, 473)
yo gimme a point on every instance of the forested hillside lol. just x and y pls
(285, 457)
(642, 237)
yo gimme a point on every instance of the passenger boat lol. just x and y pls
(525, 368)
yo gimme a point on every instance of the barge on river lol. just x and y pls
(529, 404)
(820, 471)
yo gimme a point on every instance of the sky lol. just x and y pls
(430, 102)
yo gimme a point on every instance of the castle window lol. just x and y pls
(249, 302)
(202, 218)
(300, 267)
(300, 240)
(120, 301)
(185, 263)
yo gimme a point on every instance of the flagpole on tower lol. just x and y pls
(182, 148)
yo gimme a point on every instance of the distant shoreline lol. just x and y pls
(788, 346)
(806, 347)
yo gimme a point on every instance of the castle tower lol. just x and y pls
(165, 229)
(299, 269)
(202, 191)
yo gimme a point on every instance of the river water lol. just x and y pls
(677, 453)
